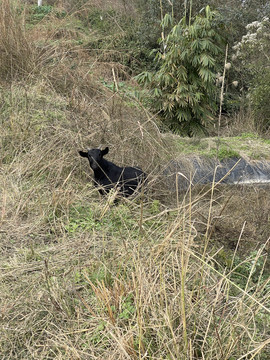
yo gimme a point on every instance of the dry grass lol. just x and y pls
(81, 279)
(138, 282)
(241, 122)
(16, 53)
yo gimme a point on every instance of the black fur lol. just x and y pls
(108, 175)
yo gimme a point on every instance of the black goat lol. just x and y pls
(109, 175)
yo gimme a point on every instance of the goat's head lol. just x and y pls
(94, 156)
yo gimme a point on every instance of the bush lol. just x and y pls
(183, 88)
(118, 39)
(251, 55)
(259, 99)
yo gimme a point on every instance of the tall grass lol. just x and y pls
(16, 52)
(124, 288)
(82, 279)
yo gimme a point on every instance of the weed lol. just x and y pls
(82, 278)
(39, 12)
(224, 152)
(155, 207)
(98, 335)
(127, 308)
(249, 136)
(252, 269)
(83, 218)
(266, 141)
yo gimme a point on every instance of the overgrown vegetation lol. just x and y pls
(168, 275)
(251, 53)
(183, 87)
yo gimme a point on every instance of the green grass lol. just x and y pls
(249, 136)
(224, 153)
(83, 218)
(38, 13)
(249, 145)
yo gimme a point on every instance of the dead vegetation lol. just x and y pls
(82, 279)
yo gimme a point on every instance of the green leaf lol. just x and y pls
(167, 20)
(144, 77)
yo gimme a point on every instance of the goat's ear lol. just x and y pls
(105, 151)
(83, 154)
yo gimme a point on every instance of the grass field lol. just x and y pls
(166, 275)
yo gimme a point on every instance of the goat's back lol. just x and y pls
(127, 179)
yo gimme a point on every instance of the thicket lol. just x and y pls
(241, 80)
(183, 88)
(251, 57)
(128, 35)
(80, 278)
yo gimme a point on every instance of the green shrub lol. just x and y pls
(38, 13)
(251, 55)
(259, 99)
(225, 153)
(117, 39)
(183, 88)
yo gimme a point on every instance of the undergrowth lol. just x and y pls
(132, 284)
(166, 275)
